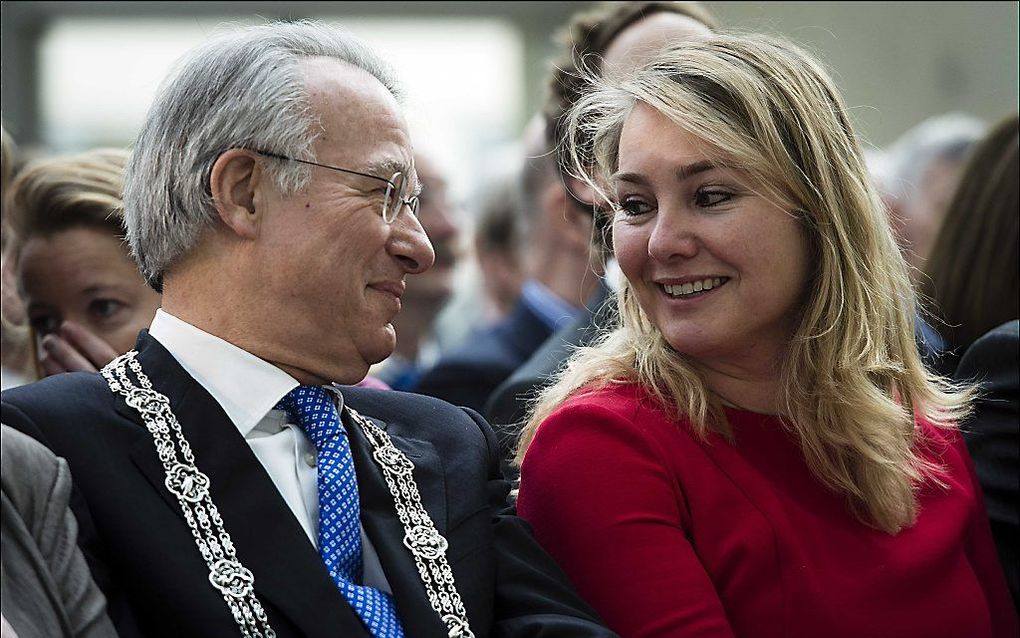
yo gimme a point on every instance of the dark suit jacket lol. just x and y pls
(467, 375)
(141, 550)
(508, 405)
(993, 437)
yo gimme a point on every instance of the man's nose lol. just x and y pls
(410, 245)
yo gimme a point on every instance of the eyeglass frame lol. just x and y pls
(411, 202)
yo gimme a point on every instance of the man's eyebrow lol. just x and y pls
(387, 167)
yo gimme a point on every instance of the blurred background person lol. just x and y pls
(426, 292)
(614, 38)
(762, 415)
(883, 171)
(993, 437)
(971, 274)
(497, 247)
(560, 276)
(85, 300)
(15, 362)
(927, 162)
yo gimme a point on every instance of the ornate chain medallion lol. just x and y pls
(426, 544)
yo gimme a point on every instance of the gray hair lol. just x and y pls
(943, 137)
(241, 90)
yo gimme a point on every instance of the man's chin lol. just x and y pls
(377, 352)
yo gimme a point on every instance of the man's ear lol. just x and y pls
(233, 182)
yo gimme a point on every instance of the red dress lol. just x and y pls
(668, 536)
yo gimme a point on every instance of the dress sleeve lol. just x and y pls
(599, 493)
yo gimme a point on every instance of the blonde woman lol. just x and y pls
(84, 297)
(757, 450)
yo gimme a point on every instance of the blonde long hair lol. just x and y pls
(852, 381)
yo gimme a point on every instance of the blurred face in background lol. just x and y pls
(438, 216)
(85, 275)
(638, 43)
(921, 214)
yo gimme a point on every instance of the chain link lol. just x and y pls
(191, 487)
(426, 544)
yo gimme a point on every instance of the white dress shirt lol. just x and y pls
(248, 388)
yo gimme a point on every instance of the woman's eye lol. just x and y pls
(44, 324)
(706, 198)
(104, 308)
(633, 206)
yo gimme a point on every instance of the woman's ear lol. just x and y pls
(233, 181)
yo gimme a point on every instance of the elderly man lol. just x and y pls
(227, 485)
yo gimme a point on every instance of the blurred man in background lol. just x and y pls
(426, 292)
(616, 37)
(926, 163)
(561, 275)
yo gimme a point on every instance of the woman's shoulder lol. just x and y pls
(625, 400)
(603, 432)
(935, 438)
(944, 447)
(617, 411)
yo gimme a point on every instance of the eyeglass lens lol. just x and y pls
(394, 197)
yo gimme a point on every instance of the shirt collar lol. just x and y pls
(245, 386)
(547, 305)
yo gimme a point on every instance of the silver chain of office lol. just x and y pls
(426, 544)
(234, 581)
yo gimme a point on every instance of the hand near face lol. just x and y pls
(74, 349)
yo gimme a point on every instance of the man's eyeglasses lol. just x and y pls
(396, 187)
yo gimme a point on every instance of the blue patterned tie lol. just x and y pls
(312, 408)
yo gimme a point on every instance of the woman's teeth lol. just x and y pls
(690, 288)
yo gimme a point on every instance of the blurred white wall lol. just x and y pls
(82, 74)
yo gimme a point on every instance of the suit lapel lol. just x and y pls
(383, 526)
(289, 574)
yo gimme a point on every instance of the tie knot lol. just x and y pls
(312, 408)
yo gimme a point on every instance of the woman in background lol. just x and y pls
(758, 449)
(84, 297)
(972, 276)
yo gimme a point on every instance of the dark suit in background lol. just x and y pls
(137, 539)
(507, 407)
(993, 437)
(467, 375)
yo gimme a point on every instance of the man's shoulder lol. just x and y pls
(993, 354)
(64, 412)
(75, 391)
(418, 412)
(29, 467)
